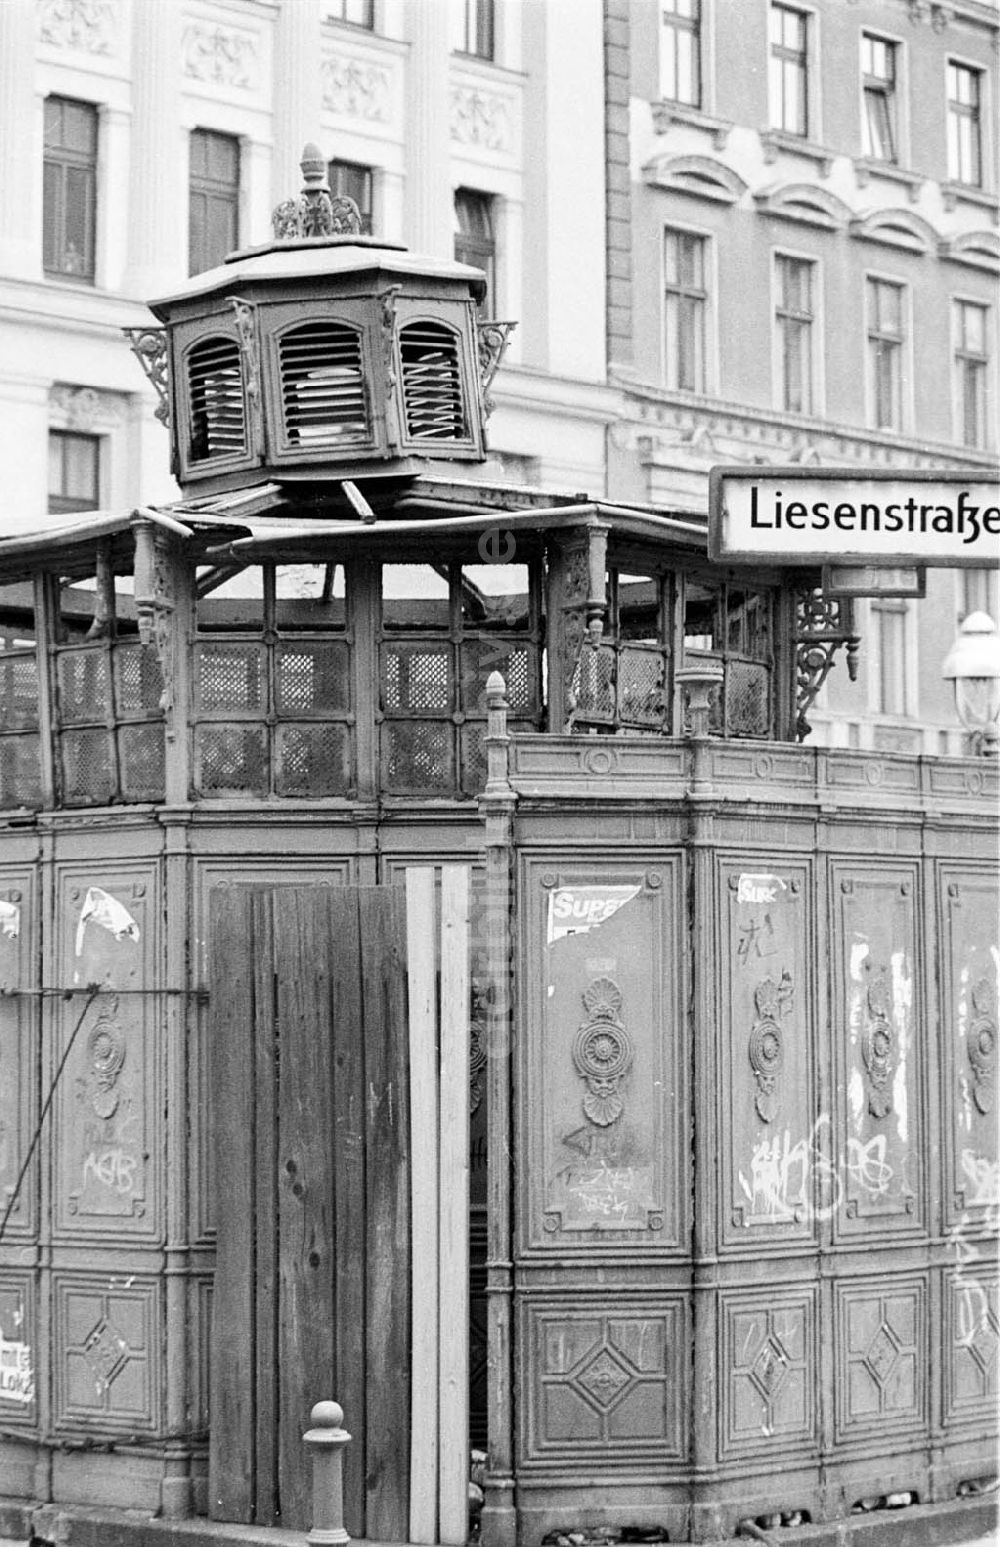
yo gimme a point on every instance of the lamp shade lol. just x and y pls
(973, 664)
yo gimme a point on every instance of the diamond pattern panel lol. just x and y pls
(418, 756)
(416, 678)
(106, 1356)
(312, 760)
(769, 1374)
(972, 1304)
(881, 1361)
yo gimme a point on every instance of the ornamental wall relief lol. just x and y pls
(352, 88)
(86, 25)
(480, 118)
(220, 55)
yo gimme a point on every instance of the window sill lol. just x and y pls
(953, 194)
(867, 167)
(666, 114)
(774, 141)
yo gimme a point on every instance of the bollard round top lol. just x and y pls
(327, 1415)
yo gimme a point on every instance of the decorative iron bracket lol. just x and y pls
(492, 339)
(246, 327)
(822, 625)
(149, 345)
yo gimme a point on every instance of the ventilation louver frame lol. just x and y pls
(435, 404)
(212, 421)
(324, 397)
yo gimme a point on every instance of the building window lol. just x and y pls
(971, 365)
(70, 188)
(74, 471)
(474, 239)
(885, 353)
(213, 198)
(878, 80)
(680, 52)
(795, 316)
(472, 27)
(979, 593)
(351, 180)
(685, 306)
(359, 13)
(964, 135)
(789, 70)
(888, 619)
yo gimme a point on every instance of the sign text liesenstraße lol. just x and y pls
(784, 516)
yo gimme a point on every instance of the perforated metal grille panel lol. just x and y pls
(84, 688)
(594, 683)
(229, 677)
(231, 760)
(323, 395)
(416, 677)
(641, 697)
(432, 382)
(19, 690)
(20, 773)
(141, 762)
(87, 768)
(218, 411)
(748, 699)
(311, 678)
(418, 756)
(312, 760)
(480, 657)
(138, 679)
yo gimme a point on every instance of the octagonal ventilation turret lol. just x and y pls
(323, 354)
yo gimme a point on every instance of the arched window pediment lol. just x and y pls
(896, 228)
(976, 249)
(701, 176)
(804, 202)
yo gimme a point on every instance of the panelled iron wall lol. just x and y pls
(755, 1215)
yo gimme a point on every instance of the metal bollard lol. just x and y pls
(327, 1439)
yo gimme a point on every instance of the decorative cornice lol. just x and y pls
(480, 118)
(976, 249)
(355, 88)
(86, 25)
(804, 202)
(222, 55)
(701, 176)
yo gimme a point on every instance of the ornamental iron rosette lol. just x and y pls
(603, 1052)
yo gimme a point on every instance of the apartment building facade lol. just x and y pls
(143, 141)
(802, 258)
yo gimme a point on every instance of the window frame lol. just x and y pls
(904, 667)
(902, 341)
(474, 22)
(815, 355)
(338, 165)
(63, 503)
(705, 295)
(954, 112)
(479, 251)
(230, 194)
(987, 361)
(890, 91)
(781, 54)
(368, 6)
(65, 160)
(673, 25)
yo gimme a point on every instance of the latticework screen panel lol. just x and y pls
(515, 662)
(312, 761)
(229, 679)
(141, 761)
(312, 678)
(19, 691)
(416, 678)
(20, 772)
(138, 680)
(84, 685)
(231, 760)
(418, 757)
(641, 686)
(594, 683)
(747, 698)
(88, 777)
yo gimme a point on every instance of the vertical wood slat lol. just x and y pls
(420, 912)
(453, 1196)
(348, 1144)
(387, 1194)
(231, 1462)
(259, 966)
(305, 1152)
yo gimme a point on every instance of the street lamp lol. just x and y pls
(973, 664)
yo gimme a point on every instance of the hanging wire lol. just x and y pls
(92, 990)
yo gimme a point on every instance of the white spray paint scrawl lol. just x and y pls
(101, 908)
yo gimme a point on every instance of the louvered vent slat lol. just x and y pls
(432, 383)
(218, 411)
(323, 394)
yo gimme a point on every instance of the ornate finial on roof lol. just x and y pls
(315, 212)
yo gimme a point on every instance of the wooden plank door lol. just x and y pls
(310, 1110)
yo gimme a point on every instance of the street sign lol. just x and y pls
(843, 516)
